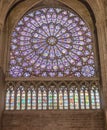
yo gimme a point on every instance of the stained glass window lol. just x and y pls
(53, 98)
(71, 98)
(7, 100)
(87, 103)
(20, 98)
(95, 98)
(65, 99)
(82, 98)
(76, 99)
(39, 98)
(51, 42)
(34, 98)
(50, 99)
(10, 95)
(44, 99)
(29, 99)
(61, 98)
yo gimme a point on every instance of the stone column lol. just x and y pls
(2, 96)
(102, 43)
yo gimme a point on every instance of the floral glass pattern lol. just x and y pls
(51, 42)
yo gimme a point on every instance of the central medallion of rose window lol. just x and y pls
(52, 41)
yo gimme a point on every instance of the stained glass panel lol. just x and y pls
(7, 99)
(87, 104)
(12, 100)
(39, 99)
(51, 42)
(18, 100)
(34, 99)
(97, 99)
(65, 99)
(44, 99)
(93, 99)
(76, 99)
(55, 98)
(60, 99)
(29, 100)
(71, 99)
(50, 100)
(82, 98)
(23, 100)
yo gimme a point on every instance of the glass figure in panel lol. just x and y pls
(93, 98)
(34, 99)
(50, 99)
(65, 98)
(8, 99)
(97, 98)
(44, 99)
(12, 99)
(39, 98)
(87, 103)
(61, 99)
(71, 98)
(55, 98)
(23, 99)
(76, 99)
(18, 99)
(29, 94)
(82, 98)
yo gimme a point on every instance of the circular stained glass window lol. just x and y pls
(51, 42)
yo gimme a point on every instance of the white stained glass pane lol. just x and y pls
(23, 100)
(55, 97)
(18, 100)
(60, 100)
(93, 99)
(65, 99)
(76, 100)
(97, 99)
(12, 101)
(7, 100)
(87, 99)
(29, 100)
(82, 102)
(71, 99)
(50, 100)
(39, 99)
(33, 100)
(44, 100)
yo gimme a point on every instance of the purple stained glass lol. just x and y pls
(51, 42)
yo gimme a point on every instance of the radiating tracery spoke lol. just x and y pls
(51, 42)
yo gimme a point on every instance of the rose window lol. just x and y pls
(51, 42)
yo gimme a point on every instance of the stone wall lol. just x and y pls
(54, 120)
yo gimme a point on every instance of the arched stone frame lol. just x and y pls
(101, 27)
